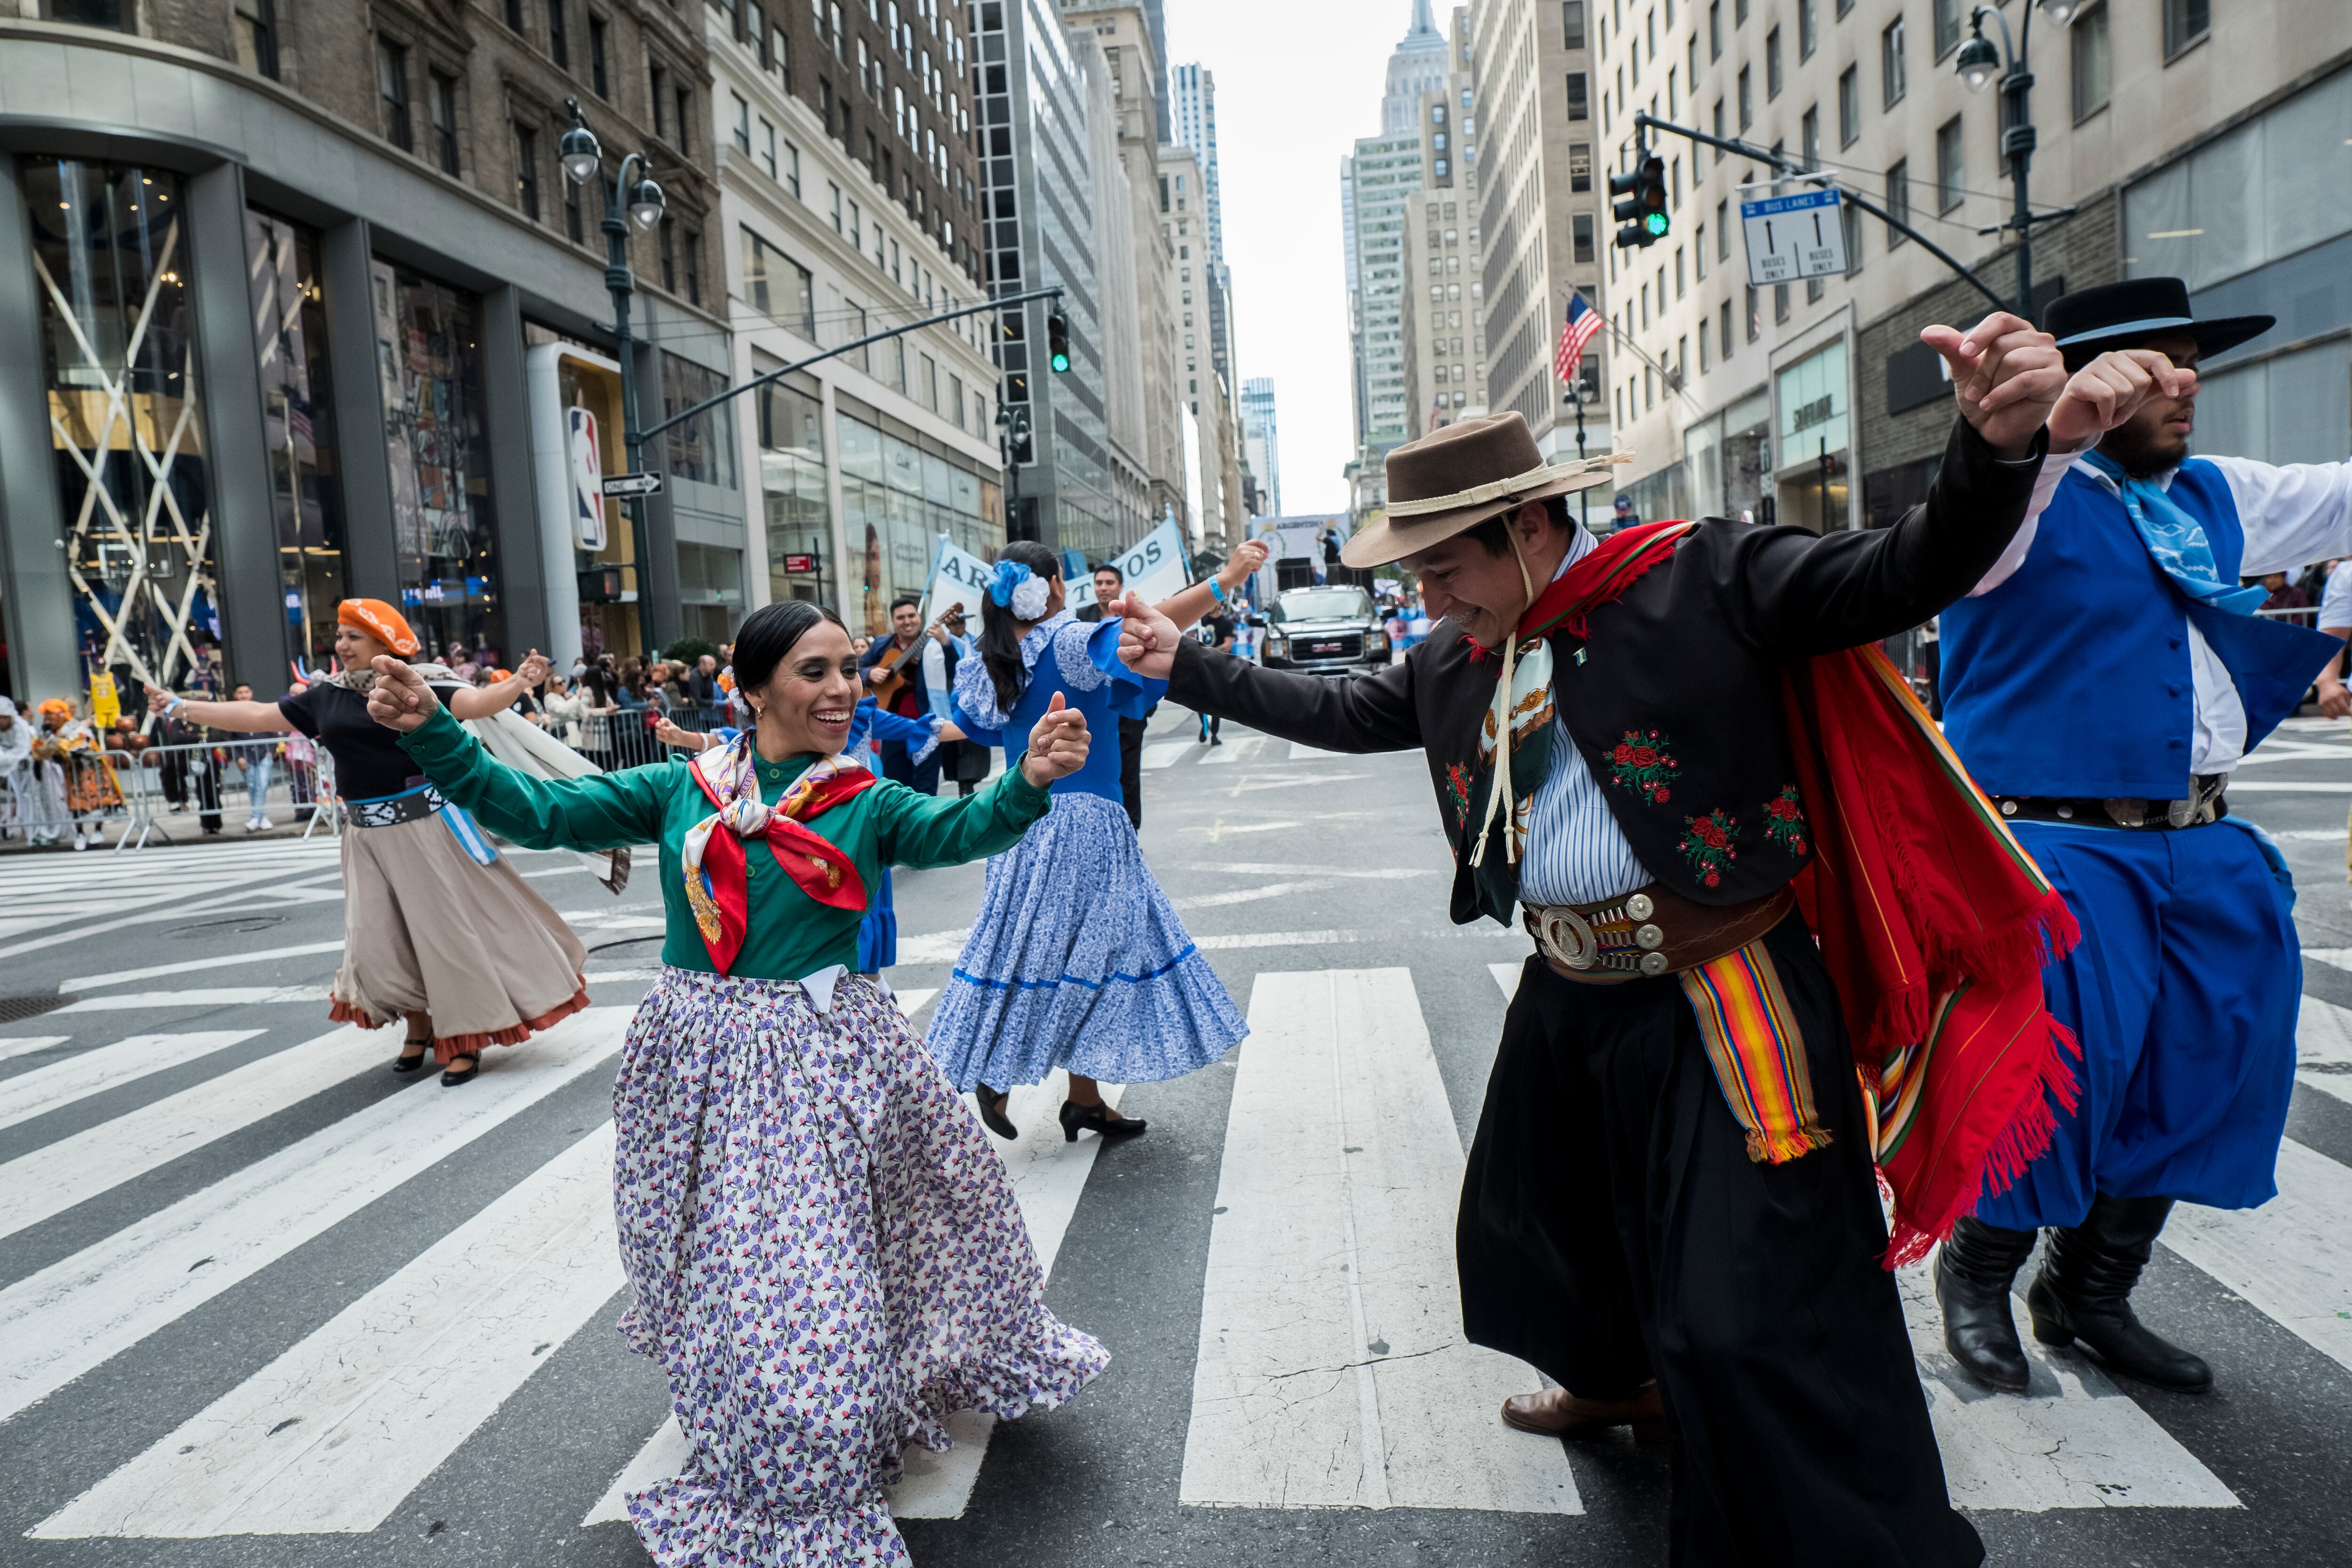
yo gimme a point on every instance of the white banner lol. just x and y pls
(957, 577)
(1158, 568)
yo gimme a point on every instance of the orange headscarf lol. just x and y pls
(380, 621)
(56, 707)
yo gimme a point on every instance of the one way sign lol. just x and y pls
(634, 484)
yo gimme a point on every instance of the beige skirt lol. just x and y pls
(427, 929)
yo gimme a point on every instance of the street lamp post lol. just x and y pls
(1976, 62)
(1013, 420)
(583, 161)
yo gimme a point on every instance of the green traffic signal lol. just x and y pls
(1657, 224)
(1057, 341)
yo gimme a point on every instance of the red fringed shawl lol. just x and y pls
(1934, 924)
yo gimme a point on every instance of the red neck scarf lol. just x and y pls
(716, 887)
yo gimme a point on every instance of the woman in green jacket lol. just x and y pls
(826, 1254)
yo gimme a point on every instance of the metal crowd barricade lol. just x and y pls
(624, 738)
(202, 778)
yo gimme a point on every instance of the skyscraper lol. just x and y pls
(1382, 178)
(1260, 445)
(1194, 115)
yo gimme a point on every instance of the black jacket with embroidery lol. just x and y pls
(1673, 696)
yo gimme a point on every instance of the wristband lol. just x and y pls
(1218, 589)
(173, 706)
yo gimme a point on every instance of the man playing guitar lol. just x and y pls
(894, 676)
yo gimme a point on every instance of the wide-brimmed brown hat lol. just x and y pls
(1457, 478)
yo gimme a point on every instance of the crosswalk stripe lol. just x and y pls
(333, 1434)
(2323, 1048)
(1301, 752)
(2290, 1257)
(196, 965)
(1049, 1175)
(44, 1089)
(1233, 751)
(219, 996)
(81, 1310)
(73, 1169)
(1332, 1254)
(1165, 753)
(25, 1045)
(2071, 1440)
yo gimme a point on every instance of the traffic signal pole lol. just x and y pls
(1645, 121)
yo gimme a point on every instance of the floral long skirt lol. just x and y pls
(828, 1262)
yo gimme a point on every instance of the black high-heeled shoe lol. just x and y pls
(404, 1062)
(451, 1078)
(991, 1112)
(1098, 1116)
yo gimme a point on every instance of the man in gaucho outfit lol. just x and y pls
(1670, 1207)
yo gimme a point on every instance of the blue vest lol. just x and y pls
(2072, 676)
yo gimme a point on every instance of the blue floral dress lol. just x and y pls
(1077, 960)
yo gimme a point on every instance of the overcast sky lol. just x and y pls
(1298, 81)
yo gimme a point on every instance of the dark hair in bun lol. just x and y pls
(768, 635)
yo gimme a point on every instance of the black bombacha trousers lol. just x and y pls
(1612, 1229)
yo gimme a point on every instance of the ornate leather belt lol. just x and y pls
(1647, 933)
(2204, 805)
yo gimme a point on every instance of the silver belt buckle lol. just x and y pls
(1567, 937)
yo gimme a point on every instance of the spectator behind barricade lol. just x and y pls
(256, 762)
(301, 766)
(2285, 595)
(702, 686)
(462, 663)
(565, 712)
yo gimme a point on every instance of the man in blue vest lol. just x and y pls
(2101, 684)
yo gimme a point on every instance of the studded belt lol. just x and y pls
(1647, 933)
(2205, 805)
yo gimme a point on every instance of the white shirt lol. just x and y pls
(2291, 514)
(1575, 854)
(2336, 601)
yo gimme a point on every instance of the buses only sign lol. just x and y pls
(1793, 237)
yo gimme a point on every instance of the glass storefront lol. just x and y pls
(792, 492)
(897, 499)
(429, 362)
(110, 260)
(1814, 408)
(710, 590)
(703, 447)
(290, 327)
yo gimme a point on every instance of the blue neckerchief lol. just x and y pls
(2177, 542)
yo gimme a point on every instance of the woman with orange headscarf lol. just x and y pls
(437, 926)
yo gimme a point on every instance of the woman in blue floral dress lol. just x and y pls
(826, 1256)
(1077, 960)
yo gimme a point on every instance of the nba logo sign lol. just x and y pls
(587, 482)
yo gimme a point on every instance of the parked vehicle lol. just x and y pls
(1325, 631)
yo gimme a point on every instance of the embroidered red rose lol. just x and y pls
(1784, 820)
(1645, 756)
(1624, 753)
(1661, 795)
(1639, 761)
(1712, 880)
(1713, 834)
(1708, 844)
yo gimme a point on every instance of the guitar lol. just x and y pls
(887, 681)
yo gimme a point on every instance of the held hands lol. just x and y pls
(533, 671)
(158, 700)
(2110, 390)
(1147, 639)
(2006, 376)
(400, 701)
(1057, 746)
(2335, 699)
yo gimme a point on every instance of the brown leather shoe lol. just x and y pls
(1556, 1413)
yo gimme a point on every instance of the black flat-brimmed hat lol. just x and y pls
(2089, 321)
(1457, 478)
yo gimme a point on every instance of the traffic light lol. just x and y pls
(1057, 341)
(1644, 210)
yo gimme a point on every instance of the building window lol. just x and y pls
(1572, 23)
(1850, 220)
(575, 220)
(1809, 137)
(257, 36)
(2186, 21)
(444, 105)
(668, 249)
(1580, 166)
(1898, 200)
(742, 125)
(1780, 304)
(693, 266)
(1771, 64)
(1850, 106)
(1579, 106)
(1723, 327)
(1746, 101)
(559, 36)
(1698, 253)
(526, 142)
(1947, 14)
(701, 448)
(658, 79)
(1582, 226)
(1715, 32)
(1891, 79)
(2093, 69)
(1951, 165)
(792, 169)
(768, 150)
(1755, 316)
(514, 14)
(1807, 31)
(686, 120)
(1702, 345)
(599, 32)
(1723, 230)
(779, 287)
(392, 85)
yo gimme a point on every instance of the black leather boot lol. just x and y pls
(2083, 1292)
(1973, 1271)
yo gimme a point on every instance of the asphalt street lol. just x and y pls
(263, 1303)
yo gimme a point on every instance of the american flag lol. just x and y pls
(1583, 322)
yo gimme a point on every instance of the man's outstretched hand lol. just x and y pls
(2110, 390)
(1147, 639)
(2007, 375)
(400, 700)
